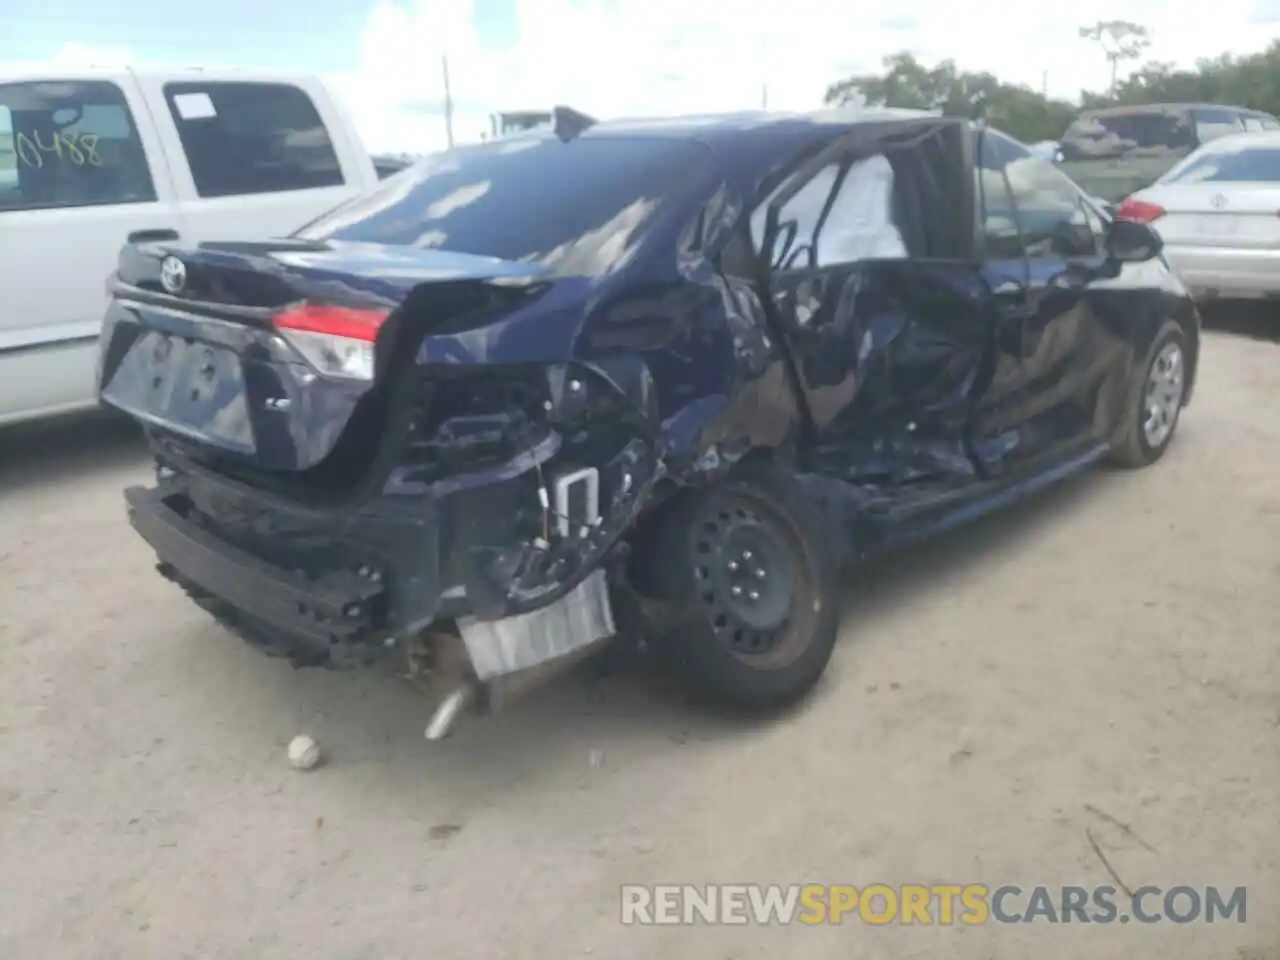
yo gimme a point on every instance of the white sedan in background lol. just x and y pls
(1218, 212)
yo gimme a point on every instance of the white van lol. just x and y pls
(92, 159)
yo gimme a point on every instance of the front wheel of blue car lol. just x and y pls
(750, 571)
(1155, 401)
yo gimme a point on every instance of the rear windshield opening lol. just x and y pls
(573, 208)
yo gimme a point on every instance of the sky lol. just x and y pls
(610, 58)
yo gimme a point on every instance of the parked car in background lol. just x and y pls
(1218, 212)
(1112, 152)
(1046, 150)
(659, 378)
(92, 159)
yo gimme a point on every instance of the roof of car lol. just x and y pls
(1160, 108)
(1253, 138)
(42, 71)
(747, 124)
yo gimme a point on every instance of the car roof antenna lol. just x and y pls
(569, 124)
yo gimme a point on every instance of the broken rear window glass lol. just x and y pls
(573, 208)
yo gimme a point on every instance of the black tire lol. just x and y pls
(1132, 448)
(755, 654)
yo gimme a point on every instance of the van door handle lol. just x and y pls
(152, 236)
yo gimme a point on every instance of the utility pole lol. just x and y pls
(1044, 85)
(448, 101)
(764, 96)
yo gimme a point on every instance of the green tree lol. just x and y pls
(908, 83)
(1252, 81)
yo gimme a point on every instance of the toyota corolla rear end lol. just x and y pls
(1218, 214)
(359, 445)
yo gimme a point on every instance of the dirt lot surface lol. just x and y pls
(1109, 649)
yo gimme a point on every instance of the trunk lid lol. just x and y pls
(1238, 216)
(268, 355)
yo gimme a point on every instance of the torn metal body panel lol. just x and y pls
(459, 402)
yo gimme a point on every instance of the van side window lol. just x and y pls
(1212, 124)
(69, 143)
(247, 138)
(1051, 211)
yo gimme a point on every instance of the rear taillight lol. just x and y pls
(1140, 211)
(337, 341)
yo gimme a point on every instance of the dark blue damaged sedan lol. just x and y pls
(613, 383)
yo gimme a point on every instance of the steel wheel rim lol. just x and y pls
(1163, 397)
(749, 580)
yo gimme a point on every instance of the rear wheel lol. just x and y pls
(750, 570)
(1155, 401)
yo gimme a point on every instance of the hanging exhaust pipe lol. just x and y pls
(450, 708)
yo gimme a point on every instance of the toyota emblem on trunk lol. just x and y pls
(1219, 201)
(173, 274)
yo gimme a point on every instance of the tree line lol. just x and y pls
(1252, 81)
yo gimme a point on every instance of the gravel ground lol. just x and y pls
(1110, 646)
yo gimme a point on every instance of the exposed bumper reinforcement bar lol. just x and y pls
(317, 611)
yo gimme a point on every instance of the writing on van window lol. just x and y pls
(69, 143)
(76, 149)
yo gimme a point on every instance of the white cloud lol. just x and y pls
(75, 54)
(638, 57)
(645, 57)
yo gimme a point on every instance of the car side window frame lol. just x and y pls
(984, 139)
(77, 152)
(203, 107)
(799, 244)
(1058, 178)
(864, 142)
(8, 153)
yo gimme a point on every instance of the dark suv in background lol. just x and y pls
(1114, 152)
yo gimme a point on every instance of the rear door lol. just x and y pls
(81, 173)
(1059, 353)
(874, 290)
(255, 158)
